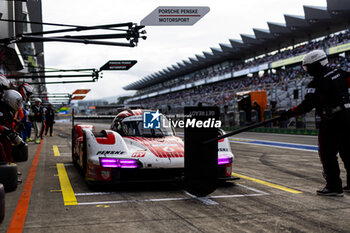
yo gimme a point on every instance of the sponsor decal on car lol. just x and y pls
(109, 152)
(139, 154)
(223, 149)
(105, 175)
(169, 147)
(228, 169)
(91, 171)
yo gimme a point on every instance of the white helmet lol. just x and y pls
(13, 99)
(25, 90)
(314, 57)
(4, 83)
(37, 100)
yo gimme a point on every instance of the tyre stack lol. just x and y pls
(8, 183)
(8, 176)
(2, 203)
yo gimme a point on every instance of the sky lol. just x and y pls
(165, 45)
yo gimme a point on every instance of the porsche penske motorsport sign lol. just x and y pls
(118, 65)
(175, 16)
(78, 97)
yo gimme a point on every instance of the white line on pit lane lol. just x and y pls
(66, 154)
(95, 194)
(252, 189)
(68, 164)
(133, 201)
(205, 200)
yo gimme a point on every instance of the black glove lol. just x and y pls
(286, 115)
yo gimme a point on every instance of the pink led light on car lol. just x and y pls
(118, 163)
(224, 160)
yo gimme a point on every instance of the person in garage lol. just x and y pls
(328, 93)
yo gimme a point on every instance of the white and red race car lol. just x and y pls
(130, 153)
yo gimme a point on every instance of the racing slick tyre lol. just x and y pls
(2, 203)
(84, 156)
(20, 154)
(74, 159)
(8, 176)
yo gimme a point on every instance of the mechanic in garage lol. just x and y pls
(328, 93)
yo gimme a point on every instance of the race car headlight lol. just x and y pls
(224, 160)
(118, 163)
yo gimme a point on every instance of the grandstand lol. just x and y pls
(268, 60)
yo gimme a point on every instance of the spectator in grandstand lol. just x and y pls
(329, 41)
(328, 93)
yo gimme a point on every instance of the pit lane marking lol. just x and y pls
(66, 187)
(56, 152)
(66, 154)
(69, 196)
(205, 200)
(19, 216)
(95, 194)
(283, 145)
(276, 186)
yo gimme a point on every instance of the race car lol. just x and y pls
(128, 152)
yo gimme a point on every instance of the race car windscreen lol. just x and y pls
(135, 128)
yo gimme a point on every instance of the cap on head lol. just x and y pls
(36, 100)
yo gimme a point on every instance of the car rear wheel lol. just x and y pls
(74, 159)
(84, 156)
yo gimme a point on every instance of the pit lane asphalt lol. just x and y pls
(244, 206)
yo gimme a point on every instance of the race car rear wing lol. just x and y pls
(97, 117)
(92, 117)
